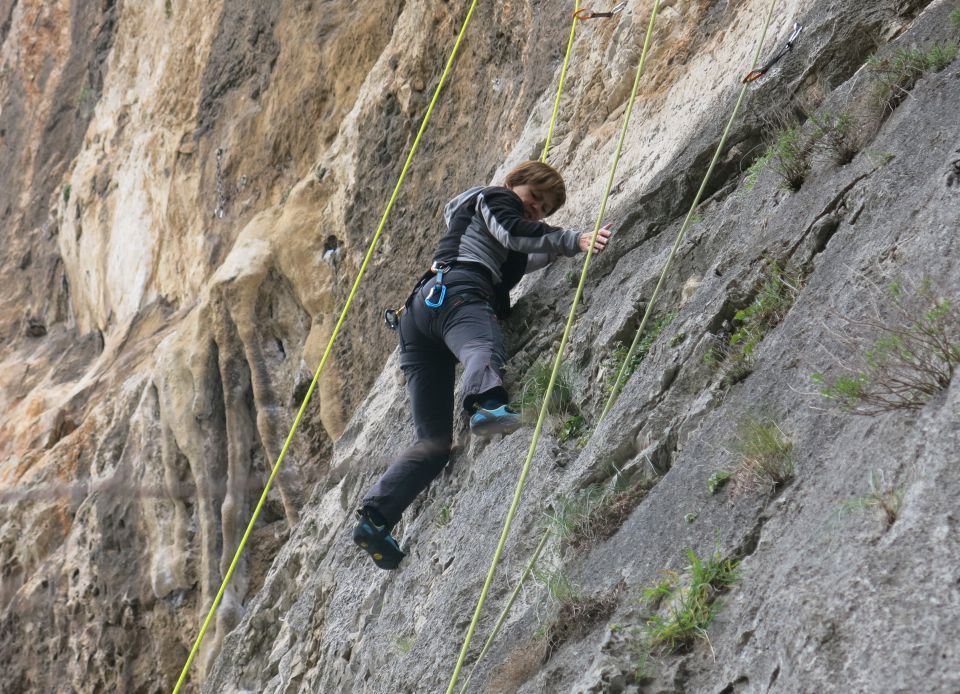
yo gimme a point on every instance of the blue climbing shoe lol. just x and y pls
(376, 541)
(499, 420)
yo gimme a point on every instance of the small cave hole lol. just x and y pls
(36, 327)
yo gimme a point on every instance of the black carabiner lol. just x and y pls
(391, 317)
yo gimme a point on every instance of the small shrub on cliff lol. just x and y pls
(898, 74)
(572, 612)
(443, 517)
(594, 514)
(615, 361)
(690, 602)
(758, 166)
(750, 325)
(572, 428)
(788, 152)
(791, 158)
(906, 353)
(836, 135)
(718, 481)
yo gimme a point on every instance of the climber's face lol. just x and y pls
(536, 201)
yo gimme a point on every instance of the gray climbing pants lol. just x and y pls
(432, 341)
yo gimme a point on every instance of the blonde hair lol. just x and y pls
(544, 177)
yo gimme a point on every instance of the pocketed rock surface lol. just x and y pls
(187, 193)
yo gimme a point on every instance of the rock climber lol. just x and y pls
(494, 236)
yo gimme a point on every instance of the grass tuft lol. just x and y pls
(899, 73)
(750, 325)
(882, 497)
(763, 455)
(534, 389)
(573, 612)
(835, 134)
(594, 514)
(690, 602)
(519, 667)
(616, 359)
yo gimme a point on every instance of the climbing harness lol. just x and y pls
(756, 74)
(588, 14)
(430, 301)
(391, 316)
(536, 554)
(329, 348)
(525, 470)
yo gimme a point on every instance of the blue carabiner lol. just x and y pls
(443, 291)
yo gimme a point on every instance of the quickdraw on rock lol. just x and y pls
(588, 14)
(754, 75)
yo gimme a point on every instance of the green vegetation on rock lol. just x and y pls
(689, 601)
(904, 355)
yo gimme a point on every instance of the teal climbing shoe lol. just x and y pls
(499, 420)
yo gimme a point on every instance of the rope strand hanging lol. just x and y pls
(521, 482)
(621, 375)
(329, 348)
(543, 542)
(531, 564)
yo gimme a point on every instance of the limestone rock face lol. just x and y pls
(187, 192)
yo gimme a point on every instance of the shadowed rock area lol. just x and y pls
(175, 176)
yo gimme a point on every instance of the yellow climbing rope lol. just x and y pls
(556, 364)
(506, 608)
(546, 536)
(539, 549)
(543, 542)
(326, 354)
(563, 77)
(621, 375)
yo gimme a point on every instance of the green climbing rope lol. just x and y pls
(326, 354)
(521, 482)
